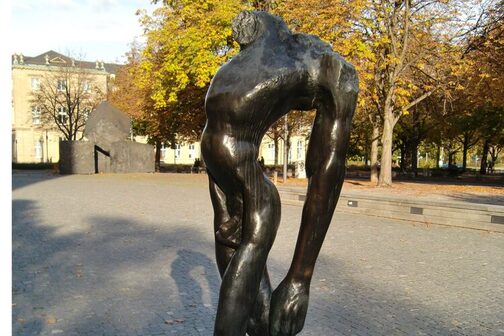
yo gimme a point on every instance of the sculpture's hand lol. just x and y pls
(229, 233)
(289, 304)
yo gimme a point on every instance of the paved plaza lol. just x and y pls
(133, 255)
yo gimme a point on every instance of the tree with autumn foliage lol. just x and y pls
(409, 52)
(412, 61)
(167, 78)
(187, 41)
(134, 100)
(485, 53)
(399, 48)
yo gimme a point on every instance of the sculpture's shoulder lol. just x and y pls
(323, 56)
(312, 42)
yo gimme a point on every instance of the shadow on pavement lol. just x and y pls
(126, 278)
(495, 199)
(189, 270)
(119, 278)
(25, 178)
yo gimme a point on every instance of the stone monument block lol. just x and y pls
(102, 161)
(108, 149)
(106, 125)
(127, 157)
(76, 157)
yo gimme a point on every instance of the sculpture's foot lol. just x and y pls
(258, 323)
(289, 305)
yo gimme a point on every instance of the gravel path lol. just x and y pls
(133, 255)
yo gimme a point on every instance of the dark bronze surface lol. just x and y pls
(275, 72)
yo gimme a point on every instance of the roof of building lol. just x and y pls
(54, 58)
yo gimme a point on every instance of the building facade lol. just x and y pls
(186, 153)
(35, 140)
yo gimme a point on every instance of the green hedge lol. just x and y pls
(34, 166)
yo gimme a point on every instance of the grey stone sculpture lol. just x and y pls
(275, 72)
(106, 125)
(108, 148)
(76, 157)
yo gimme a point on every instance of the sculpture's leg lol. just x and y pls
(326, 170)
(228, 213)
(258, 324)
(240, 295)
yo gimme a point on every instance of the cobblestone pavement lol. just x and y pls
(133, 255)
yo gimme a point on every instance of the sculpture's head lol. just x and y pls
(249, 26)
(246, 28)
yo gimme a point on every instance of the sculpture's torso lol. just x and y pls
(254, 89)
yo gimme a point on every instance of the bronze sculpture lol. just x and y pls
(275, 72)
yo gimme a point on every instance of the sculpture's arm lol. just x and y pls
(326, 171)
(325, 165)
(325, 161)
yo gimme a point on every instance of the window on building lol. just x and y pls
(62, 115)
(35, 83)
(85, 113)
(191, 151)
(271, 151)
(36, 115)
(62, 84)
(58, 60)
(86, 86)
(300, 151)
(177, 151)
(163, 152)
(38, 150)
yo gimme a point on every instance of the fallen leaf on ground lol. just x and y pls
(170, 322)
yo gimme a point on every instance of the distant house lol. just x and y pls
(33, 139)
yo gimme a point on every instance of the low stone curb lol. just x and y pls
(476, 216)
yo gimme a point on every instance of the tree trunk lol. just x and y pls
(484, 164)
(464, 152)
(385, 179)
(286, 149)
(374, 154)
(414, 158)
(157, 161)
(275, 142)
(366, 152)
(438, 155)
(404, 160)
(494, 154)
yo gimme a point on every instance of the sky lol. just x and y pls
(94, 29)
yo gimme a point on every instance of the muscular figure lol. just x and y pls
(275, 72)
